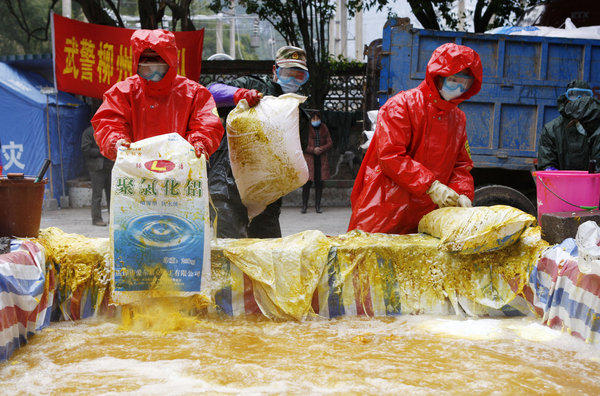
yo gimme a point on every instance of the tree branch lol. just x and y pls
(423, 10)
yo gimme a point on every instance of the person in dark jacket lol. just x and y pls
(289, 74)
(100, 169)
(571, 140)
(315, 154)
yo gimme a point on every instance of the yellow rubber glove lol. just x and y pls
(464, 202)
(442, 195)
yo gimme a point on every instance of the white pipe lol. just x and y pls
(358, 38)
(232, 38)
(461, 15)
(343, 29)
(232, 30)
(219, 34)
(66, 8)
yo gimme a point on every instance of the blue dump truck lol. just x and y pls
(522, 77)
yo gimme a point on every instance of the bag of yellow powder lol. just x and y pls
(476, 230)
(159, 220)
(264, 150)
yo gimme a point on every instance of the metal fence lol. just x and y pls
(347, 91)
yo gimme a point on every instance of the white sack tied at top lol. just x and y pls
(264, 150)
(588, 239)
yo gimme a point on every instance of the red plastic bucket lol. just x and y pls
(566, 191)
(21, 203)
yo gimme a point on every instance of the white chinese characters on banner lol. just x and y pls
(11, 155)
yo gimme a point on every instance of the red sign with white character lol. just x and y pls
(90, 58)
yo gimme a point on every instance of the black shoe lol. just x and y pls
(99, 223)
(303, 210)
(318, 193)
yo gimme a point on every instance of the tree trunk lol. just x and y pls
(94, 13)
(425, 13)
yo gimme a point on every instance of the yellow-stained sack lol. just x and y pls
(476, 230)
(264, 150)
(284, 271)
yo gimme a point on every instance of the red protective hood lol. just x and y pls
(163, 43)
(449, 59)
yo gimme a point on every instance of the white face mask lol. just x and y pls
(449, 95)
(289, 86)
(455, 85)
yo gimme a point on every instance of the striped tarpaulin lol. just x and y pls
(85, 302)
(568, 299)
(26, 295)
(393, 275)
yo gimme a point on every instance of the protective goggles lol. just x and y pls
(576, 93)
(287, 75)
(153, 71)
(458, 81)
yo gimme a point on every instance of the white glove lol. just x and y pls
(122, 143)
(442, 195)
(464, 202)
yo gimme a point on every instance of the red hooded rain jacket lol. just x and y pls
(136, 108)
(419, 138)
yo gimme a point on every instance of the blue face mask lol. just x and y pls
(290, 86)
(315, 123)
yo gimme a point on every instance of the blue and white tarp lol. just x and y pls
(26, 295)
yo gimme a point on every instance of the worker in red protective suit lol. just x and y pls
(156, 101)
(419, 156)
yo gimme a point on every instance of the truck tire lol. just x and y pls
(502, 195)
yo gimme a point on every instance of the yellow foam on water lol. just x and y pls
(482, 329)
(535, 332)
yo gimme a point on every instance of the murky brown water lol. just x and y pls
(357, 356)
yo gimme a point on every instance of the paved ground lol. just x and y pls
(333, 221)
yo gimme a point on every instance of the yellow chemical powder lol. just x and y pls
(428, 278)
(412, 262)
(164, 315)
(258, 148)
(82, 261)
(163, 309)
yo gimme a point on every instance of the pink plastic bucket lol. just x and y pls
(566, 191)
